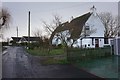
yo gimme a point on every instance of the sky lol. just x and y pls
(60, 0)
(44, 11)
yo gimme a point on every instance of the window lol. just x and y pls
(88, 44)
(87, 28)
(106, 41)
(92, 41)
(96, 43)
(118, 34)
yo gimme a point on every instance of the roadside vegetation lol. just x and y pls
(45, 52)
(3, 48)
(78, 55)
(54, 56)
(2, 44)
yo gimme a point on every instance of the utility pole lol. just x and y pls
(28, 29)
(17, 33)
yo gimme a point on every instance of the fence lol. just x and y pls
(76, 54)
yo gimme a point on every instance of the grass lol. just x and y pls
(55, 56)
(44, 52)
(88, 54)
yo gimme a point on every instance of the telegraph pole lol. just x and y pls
(17, 33)
(28, 29)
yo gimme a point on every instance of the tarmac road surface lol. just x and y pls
(17, 63)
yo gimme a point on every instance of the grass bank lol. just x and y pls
(77, 54)
(45, 52)
(55, 56)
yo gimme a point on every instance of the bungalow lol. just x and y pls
(16, 39)
(85, 31)
(25, 39)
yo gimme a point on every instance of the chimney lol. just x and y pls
(93, 10)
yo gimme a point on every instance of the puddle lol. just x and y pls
(104, 67)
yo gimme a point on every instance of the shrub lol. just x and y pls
(106, 46)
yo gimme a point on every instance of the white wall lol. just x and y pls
(89, 41)
(63, 34)
(101, 42)
(95, 23)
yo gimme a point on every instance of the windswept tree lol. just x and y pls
(111, 24)
(63, 36)
(49, 28)
(5, 18)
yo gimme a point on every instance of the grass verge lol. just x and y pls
(49, 61)
(44, 52)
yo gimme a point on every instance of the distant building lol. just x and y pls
(86, 31)
(25, 39)
(16, 39)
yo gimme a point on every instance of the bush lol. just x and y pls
(23, 44)
(4, 43)
(59, 46)
(106, 46)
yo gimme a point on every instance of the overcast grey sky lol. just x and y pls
(44, 11)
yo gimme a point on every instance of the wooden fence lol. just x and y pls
(76, 54)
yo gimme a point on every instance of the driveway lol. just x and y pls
(18, 64)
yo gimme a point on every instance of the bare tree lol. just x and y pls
(64, 37)
(118, 25)
(111, 24)
(37, 33)
(5, 18)
(49, 28)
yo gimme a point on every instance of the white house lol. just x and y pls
(85, 31)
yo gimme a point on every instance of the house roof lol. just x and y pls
(75, 26)
(25, 38)
(16, 39)
(32, 38)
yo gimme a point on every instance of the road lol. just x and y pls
(18, 64)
